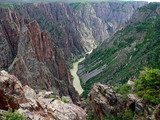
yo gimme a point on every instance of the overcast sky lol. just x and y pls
(149, 0)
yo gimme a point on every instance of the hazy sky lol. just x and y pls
(149, 0)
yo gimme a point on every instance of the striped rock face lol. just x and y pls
(31, 55)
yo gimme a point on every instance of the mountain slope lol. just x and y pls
(130, 49)
(32, 56)
(77, 27)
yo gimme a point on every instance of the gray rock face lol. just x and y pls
(103, 100)
(29, 93)
(131, 100)
(9, 35)
(114, 14)
(48, 108)
(35, 107)
(77, 27)
(139, 109)
(31, 55)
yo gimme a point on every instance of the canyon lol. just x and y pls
(37, 56)
(122, 56)
(29, 53)
(77, 27)
(35, 106)
(39, 42)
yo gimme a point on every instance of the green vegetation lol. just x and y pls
(86, 34)
(124, 90)
(86, 87)
(91, 116)
(128, 115)
(140, 93)
(151, 6)
(78, 5)
(148, 85)
(17, 8)
(126, 53)
(5, 5)
(64, 100)
(52, 96)
(10, 115)
(72, 78)
(70, 64)
(112, 117)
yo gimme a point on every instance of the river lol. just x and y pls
(76, 80)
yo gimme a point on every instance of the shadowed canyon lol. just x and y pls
(48, 73)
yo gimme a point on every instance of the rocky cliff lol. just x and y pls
(31, 55)
(9, 35)
(106, 104)
(77, 27)
(103, 18)
(60, 21)
(121, 57)
(34, 106)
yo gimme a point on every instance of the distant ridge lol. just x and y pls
(68, 1)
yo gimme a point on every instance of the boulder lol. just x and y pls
(46, 108)
(11, 92)
(139, 108)
(103, 100)
(131, 100)
(30, 115)
(65, 111)
(46, 94)
(29, 93)
(13, 95)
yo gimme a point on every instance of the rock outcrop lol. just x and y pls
(77, 27)
(32, 56)
(49, 108)
(9, 35)
(121, 57)
(11, 92)
(62, 23)
(103, 100)
(34, 106)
